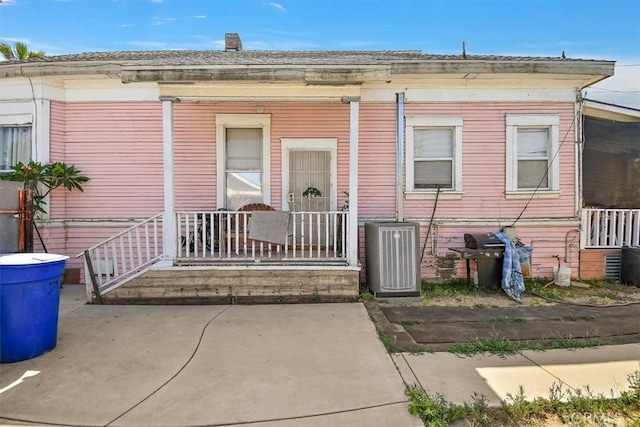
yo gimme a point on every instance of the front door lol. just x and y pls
(308, 181)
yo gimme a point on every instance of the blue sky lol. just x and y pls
(591, 29)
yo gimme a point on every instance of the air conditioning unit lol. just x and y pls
(393, 258)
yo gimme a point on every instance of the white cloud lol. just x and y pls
(156, 1)
(7, 2)
(163, 21)
(125, 25)
(199, 16)
(278, 7)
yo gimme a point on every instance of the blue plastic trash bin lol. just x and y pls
(29, 304)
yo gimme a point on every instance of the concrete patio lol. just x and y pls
(263, 365)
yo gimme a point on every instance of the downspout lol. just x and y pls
(399, 156)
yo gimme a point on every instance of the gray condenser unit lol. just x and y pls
(393, 258)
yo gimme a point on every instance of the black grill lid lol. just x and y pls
(482, 241)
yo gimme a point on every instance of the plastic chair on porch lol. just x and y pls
(239, 234)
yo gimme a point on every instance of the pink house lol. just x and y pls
(185, 148)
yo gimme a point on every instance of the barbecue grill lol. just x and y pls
(488, 252)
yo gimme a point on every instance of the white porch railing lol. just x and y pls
(610, 228)
(123, 255)
(223, 235)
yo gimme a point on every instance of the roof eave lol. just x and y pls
(586, 72)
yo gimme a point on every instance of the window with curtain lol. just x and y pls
(244, 167)
(15, 146)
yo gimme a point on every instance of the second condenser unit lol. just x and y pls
(393, 258)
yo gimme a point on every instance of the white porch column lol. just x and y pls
(352, 231)
(169, 242)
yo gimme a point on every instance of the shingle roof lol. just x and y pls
(272, 57)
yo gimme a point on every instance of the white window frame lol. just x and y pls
(450, 122)
(530, 121)
(224, 121)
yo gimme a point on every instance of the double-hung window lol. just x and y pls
(15, 146)
(532, 142)
(243, 159)
(434, 154)
(243, 167)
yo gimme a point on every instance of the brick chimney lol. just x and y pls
(232, 42)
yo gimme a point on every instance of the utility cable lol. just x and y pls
(433, 213)
(195, 350)
(553, 159)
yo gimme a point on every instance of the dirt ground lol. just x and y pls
(578, 293)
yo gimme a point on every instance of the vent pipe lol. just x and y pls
(399, 156)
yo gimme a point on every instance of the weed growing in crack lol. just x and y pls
(388, 341)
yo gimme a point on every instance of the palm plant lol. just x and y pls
(42, 179)
(18, 51)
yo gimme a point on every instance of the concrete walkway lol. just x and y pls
(603, 369)
(266, 365)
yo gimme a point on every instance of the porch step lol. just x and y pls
(207, 285)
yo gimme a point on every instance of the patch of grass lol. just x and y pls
(579, 407)
(598, 292)
(434, 411)
(410, 322)
(563, 406)
(450, 289)
(504, 347)
(415, 351)
(569, 343)
(366, 296)
(388, 341)
(493, 346)
(577, 318)
(506, 319)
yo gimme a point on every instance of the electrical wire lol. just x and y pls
(553, 159)
(195, 350)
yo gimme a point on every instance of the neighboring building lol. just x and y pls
(611, 186)
(189, 133)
